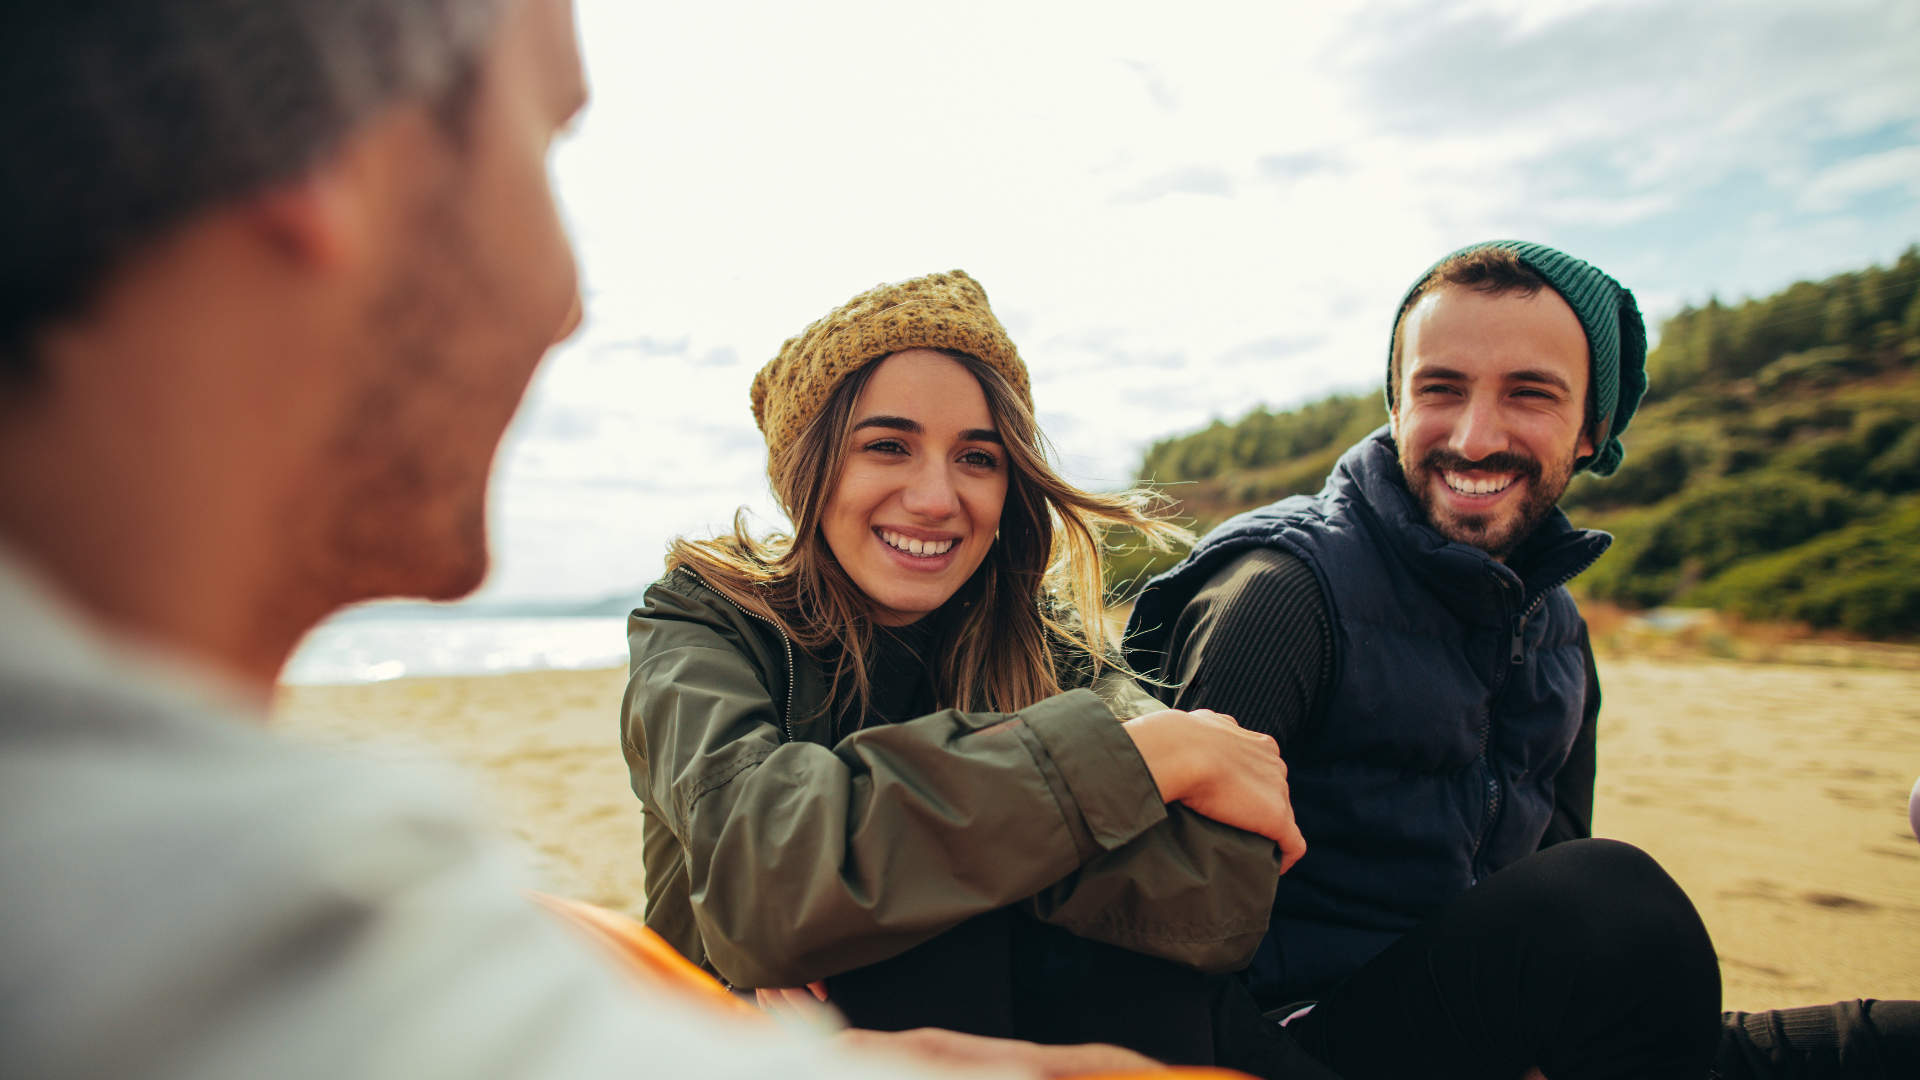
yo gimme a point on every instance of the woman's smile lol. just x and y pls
(921, 487)
(923, 551)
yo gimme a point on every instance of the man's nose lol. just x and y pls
(1480, 430)
(930, 493)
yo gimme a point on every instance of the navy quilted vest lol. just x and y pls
(1456, 695)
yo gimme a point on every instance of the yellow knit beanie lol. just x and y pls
(938, 311)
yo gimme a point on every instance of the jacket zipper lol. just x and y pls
(1518, 645)
(1516, 655)
(786, 643)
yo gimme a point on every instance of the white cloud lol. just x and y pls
(1191, 180)
(1832, 187)
(1156, 85)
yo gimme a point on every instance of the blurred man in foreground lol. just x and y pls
(274, 278)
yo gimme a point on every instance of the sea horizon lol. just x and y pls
(393, 641)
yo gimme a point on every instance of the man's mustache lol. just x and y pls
(1440, 459)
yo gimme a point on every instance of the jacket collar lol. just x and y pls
(1470, 581)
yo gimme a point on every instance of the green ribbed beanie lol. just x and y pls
(1616, 338)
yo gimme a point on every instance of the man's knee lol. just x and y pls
(1612, 905)
(1611, 884)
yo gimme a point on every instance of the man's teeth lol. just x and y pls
(916, 547)
(1466, 486)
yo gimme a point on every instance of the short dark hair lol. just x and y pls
(122, 118)
(1495, 271)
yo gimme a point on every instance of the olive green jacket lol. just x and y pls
(777, 858)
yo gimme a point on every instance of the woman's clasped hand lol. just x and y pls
(1206, 761)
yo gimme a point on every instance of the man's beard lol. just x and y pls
(406, 482)
(1498, 536)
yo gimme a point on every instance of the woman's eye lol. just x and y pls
(979, 459)
(886, 446)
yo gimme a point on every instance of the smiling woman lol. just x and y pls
(891, 757)
(907, 413)
(922, 482)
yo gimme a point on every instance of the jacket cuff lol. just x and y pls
(1109, 792)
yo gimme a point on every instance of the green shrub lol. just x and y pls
(1649, 474)
(1864, 578)
(1302, 476)
(1897, 468)
(1263, 438)
(1689, 538)
(1839, 458)
(1621, 575)
(1878, 430)
(1829, 365)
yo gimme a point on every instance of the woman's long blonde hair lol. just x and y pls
(1038, 592)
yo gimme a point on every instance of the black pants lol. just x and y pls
(1585, 960)
(1008, 975)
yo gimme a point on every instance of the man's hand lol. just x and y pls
(1205, 761)
(939, 1046)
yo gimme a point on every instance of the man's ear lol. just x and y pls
(313, 220)
(1592, 436)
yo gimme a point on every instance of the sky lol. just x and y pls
(1179, 212)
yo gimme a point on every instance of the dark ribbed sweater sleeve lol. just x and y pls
(1254, 644)
(1573, 784)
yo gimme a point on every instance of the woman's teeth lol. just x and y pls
(1475, 487)
(925, 548)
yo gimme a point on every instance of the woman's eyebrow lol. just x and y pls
(894, 423)
(913, 427)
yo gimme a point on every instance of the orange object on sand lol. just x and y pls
(643, 954)
(646, 957)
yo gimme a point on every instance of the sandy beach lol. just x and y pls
(1775, 793)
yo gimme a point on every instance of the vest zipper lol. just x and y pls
(1518, 646)
(786, 719)
(1516, 656)
(1549, 590)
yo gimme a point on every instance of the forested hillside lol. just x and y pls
(1774, 470)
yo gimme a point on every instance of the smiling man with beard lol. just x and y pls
(1494, 418)
(1406, 634)
(1407, 637)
